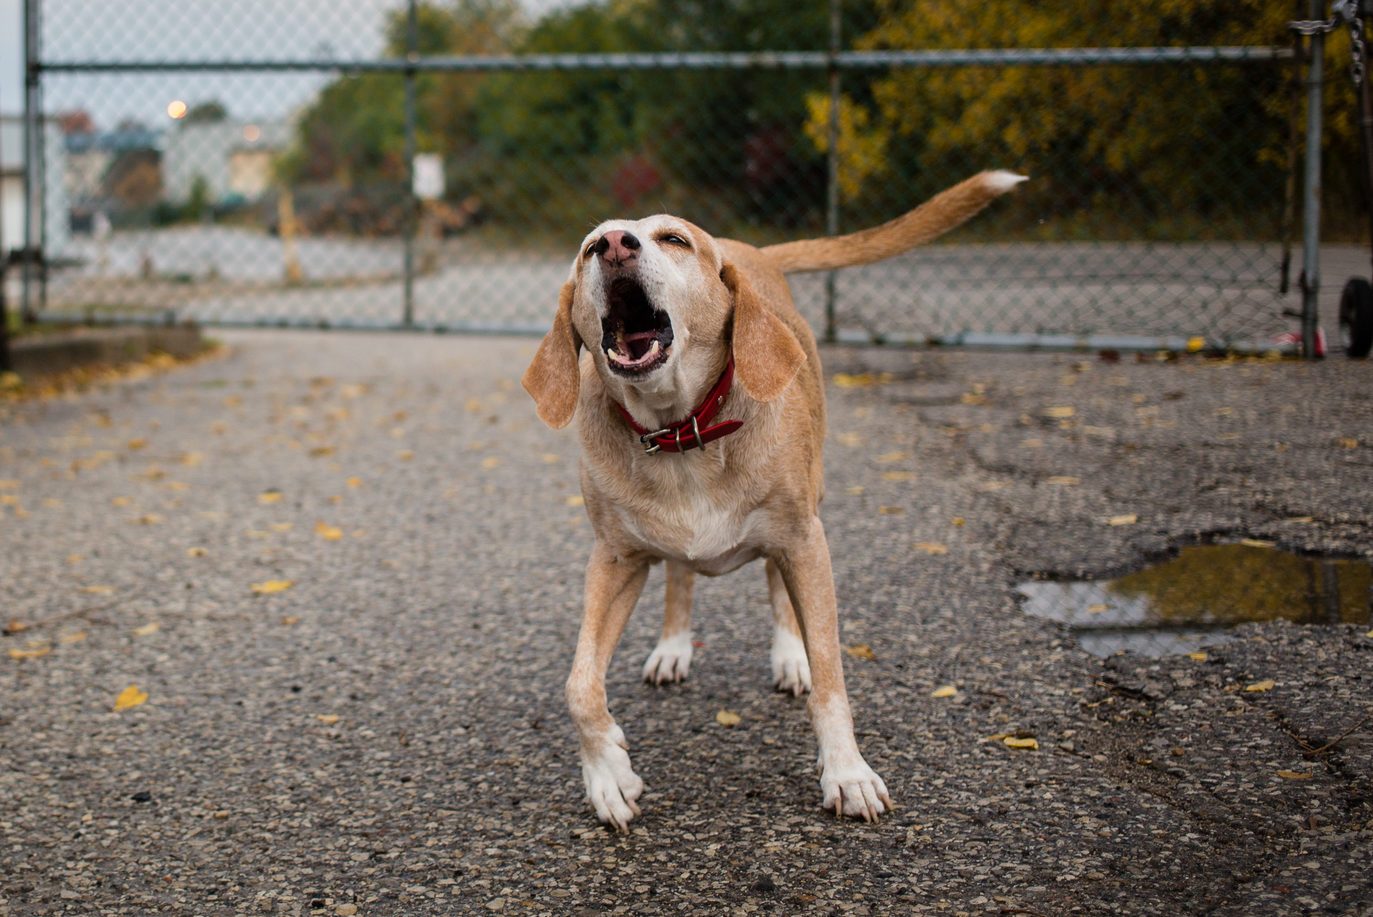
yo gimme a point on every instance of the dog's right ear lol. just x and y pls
(553, 378)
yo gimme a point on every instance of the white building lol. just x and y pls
(234, 158)
(51, 229)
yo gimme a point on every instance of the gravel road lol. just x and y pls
(345, 571)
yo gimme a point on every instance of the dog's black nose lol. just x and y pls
(617, 246)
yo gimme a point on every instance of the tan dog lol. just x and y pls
(667, 314)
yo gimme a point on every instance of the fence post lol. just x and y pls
(5, 362)
(832, 164)
(411, 57)
(1311, 190)
(30, 98)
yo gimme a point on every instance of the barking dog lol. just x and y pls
(702, 418)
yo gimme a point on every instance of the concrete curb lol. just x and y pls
(49, 354)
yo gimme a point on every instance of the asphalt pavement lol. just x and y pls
(287, 629)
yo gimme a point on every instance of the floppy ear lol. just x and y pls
(767, 355)
(553, 379)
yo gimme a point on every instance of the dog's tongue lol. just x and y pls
(637, 344)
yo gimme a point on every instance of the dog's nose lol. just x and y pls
(618, 246)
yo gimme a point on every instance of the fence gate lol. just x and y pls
(433, 166)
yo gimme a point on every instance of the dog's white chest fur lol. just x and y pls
(688, 520)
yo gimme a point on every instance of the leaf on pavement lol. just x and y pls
(269, 496)
(272, 586)
(328, 719)
(1295, 775)
(1060, 412)
(1259, 686)
(1026, 744)
(944, 691)
(932, 548)
(860, 651)
(328, 532)
(37, 651)
(130, 697)
(1123, 519)
(1064, 480)
(196, 552)
(728, 718)
(147, 630)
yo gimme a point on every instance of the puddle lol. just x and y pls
(1191, 600)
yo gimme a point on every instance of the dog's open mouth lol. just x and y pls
(636, 337)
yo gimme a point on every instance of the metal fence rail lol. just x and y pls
(283, 190)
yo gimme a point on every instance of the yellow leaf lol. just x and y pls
(860, 651)
(191, 459)
(1123, 519)
(98, 590)
(1195, 344)
(887, 458)
(328, 532)
(1027, 744)
(9, 484)
(973, 398)
(130, 697)
(944, 691)
(575, 500)
(149, 519)
(354, 482)
(1060, 412)
(861, 380)
(551, 458)
(74, 637)
(1197, 657)
(272, 585)
(850, 439)
(1266, 685)
(855, 490)
(933, 548)
(290, 620)
(1295, 775)
(889, 510)
(490, 462)
(120, 501)
(1097, 609)
(1349, 442)
(898, 475)
(1255, 543)
(15, 626)
(147, 630)
(728, 718)
(405, 455)
(321, 451)
(282, 526)
(1065, 480)
(269, 496)
(328, 719)
(196, 552)
(36, 652)
(1032, 443)
(959, 521)
(138, 443)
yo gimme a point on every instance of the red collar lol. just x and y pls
(692, 432)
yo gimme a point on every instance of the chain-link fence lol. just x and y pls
(434, 165)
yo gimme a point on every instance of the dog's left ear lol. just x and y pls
(553, 378)
(767, 355)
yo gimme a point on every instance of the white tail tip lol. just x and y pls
(1002, 181)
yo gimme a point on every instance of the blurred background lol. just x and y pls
(433, 165)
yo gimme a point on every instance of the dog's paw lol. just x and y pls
(670, 659)
(612, 787)
(854, 790)
(790, 668)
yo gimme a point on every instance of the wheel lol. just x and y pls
(1356, 317)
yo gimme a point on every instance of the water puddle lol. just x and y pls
(1191, 600)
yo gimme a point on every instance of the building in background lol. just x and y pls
(51, 228)
(230, 160)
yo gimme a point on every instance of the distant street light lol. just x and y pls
(176, 109)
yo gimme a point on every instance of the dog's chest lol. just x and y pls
(692, 516)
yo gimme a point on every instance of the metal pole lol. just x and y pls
(411, 55)
(1311, 191)
(5, 362)
(30, 80)
(832, 163)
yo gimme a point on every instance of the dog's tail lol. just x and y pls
(930, 220)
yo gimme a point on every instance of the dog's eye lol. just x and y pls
(671, 238)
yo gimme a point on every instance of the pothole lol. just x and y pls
(1193, 599)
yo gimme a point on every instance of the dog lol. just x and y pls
(702, 417)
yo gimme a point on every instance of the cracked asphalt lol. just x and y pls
(386, 734)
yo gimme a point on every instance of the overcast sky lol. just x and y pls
(192, 30)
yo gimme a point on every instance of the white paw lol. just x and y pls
(670, 659)
(853, 789)
(611, 784)
(790, 669)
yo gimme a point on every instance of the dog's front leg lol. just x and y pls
(848, 785)
(671, 658)
(613, 584)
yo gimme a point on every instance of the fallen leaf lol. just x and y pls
(959, 521)
(137, 443)
(1295, 775)
(9, 484)
(149, 519)
(15, 626)
(973, 398)
(74, 637)
(898, 475)
(328, 719)
(282, 526)
(1065, 480)
(1029, 744)
(321, 451)
(1266, 685)
(575, 500)
(191, 459)
(1195, 344)
(728, 718)
(944, 691)
(861, 380)
(272, 586)
(490, 462)
(120, 501)
(405, 455)
(269, 496)
(1060, 411)
(1255, 543)
(933, 548)
(98, 590)
(1349, 442)
(130, 697)
(1097, 608)
(850, 439)
(860, 651)
(887, 458)
(354, 482)
(889, 510)
(147, 630)
(196, 552)
(1197, 657)
(36, 652)
(551, 458)
(1123, 519)
(290, 620)
(855, 490)
(328, 532)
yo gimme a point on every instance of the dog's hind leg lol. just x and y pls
(613, 584)
(671, 658)
(790, 670)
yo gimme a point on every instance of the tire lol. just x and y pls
(1356, 317)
